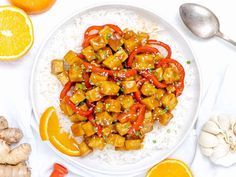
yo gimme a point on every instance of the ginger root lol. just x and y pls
(10, 135)
(20, 170)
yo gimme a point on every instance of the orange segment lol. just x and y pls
(170, 168)
(65, 144)
(49, 124)
(33, 6)
(16, 33)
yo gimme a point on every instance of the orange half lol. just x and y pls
(170, 168)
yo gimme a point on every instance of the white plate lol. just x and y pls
(192, 93)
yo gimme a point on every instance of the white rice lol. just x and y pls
(69, 37)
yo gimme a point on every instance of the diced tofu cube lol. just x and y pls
(115, 42)
(129, 34)
(57, 66)
(126, 101)
(109, 88)
(106, 33)
(71, 57)
(171, 88)
(95, 79)
(129, 86)
(133, 144)
(131, 44)
(77, 129)
(97, 43)
(103, 54)
(169, 101)
(144, 61)
(84, 149)
(75, 73)
(100, 107)
(151, 102)
(160, 93)
(164, 119)
(148, 123)
(89, 129)
(171, 75)
(103, 118)
(63, 77)
(116, 140)
(121, 55)
(112, 105)
(159, 74)
(78, 97)
(77, 118)
(113, 63)
(80, 86)
(107, 130)
(94, 94)
(158, 112)
(89, 53)
(96, 142)
(67, 110)
(123, 129)
(142, 37)
(148, 89)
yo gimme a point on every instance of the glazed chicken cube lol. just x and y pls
(151, 102)
(96, 142)
(103, 54)
(94, 94)
(121, 55)
(103, 118)
(88, 128)
(84, 149)
(57, 66)
(129, 86)
(78, 97)
(116, 140)
(113, 63)
(133, 144)
(98, 43)
(77, 129)
(148, 89)
(71, 57)
(75, 73)
(63, 77)
(109, 88)
(123, 129)
(89, 53)
(144, 61)
(112, 105)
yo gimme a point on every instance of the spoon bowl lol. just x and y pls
(201, 21)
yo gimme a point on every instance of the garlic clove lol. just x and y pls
(221, 150)
(207, 151)
(208, 140)
(211, 127)
(224, 122)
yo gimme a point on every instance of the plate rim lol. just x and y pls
(137, 6)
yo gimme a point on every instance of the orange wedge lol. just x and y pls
(49, 124)
(65, 144)
(16, 33)
(170, 168)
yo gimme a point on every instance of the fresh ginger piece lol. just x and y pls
(20, 170)
(14, 156)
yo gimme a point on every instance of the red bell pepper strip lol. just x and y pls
(149, 76)
(162, 44)
(65, 90)
(59, 171)
(99, 127)
(86, 80)
(139, 122)
(76, 109)
(137, 94)
(90, 29)
(80, 55)
(143, 49)
(119, 74)
(180, 85)
(86, 41)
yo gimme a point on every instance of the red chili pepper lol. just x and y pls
(139, 122)
(137, 94)
(164, 45)
(99, 127)
(119, 74)
(143, 49)
(65, 90)
(86, 80)
(87, 40)
(149, 76)
(76, 109)
(59, 171)
(180, 85)
(92, 28)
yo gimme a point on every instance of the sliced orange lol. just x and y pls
(49, 124)
(16, 33)
(65, 144)
(170, 168)
(33, 6)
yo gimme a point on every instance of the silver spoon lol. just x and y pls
(202, 22)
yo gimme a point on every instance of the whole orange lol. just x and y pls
(33, 6)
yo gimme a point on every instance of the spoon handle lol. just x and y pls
(226, 38)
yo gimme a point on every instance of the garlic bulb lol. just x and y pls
(217, 139)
